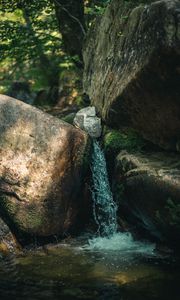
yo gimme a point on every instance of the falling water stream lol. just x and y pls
(109, 265)
(104, 208)
(105, 212)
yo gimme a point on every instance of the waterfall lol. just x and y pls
(104, 208)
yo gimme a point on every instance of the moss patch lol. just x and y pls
(69, 118)
(115, 141)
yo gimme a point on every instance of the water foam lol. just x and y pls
(121, 242)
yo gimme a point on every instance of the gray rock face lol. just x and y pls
(87, 120)
(132, 69)
(151, 193)
(41, 170)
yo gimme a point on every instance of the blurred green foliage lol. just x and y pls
(31, 48)
(31, 45)
(27, 32)
(94, 8)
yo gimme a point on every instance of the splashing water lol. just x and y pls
(105, 209)
(122, 242)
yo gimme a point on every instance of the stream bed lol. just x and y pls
(90, 270)
(107, 265)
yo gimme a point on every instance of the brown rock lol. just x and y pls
(132, 69)
(8, 243)
(41, 170)
(148, 193)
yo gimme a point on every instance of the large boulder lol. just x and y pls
(147, 188)
(132, 69)
(43, 161)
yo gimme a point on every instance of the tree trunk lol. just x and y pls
(70, 15)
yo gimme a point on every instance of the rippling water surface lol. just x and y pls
(81, 270)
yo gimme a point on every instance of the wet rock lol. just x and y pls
(8, 243)
(43, 163)
(147, 188)
(132, 69)
(87, 120)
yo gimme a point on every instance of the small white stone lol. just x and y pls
(87, 120)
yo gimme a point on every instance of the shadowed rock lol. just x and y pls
(151, 193)
(8, 243)
(132, 69)
(41, 171)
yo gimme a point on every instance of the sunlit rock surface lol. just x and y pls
(132, 69)
(42, 165)
(147, 188)
(87, 120)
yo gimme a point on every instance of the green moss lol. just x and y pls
(21, 218)
(174, 212)
(69, 118)
(116, 141)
